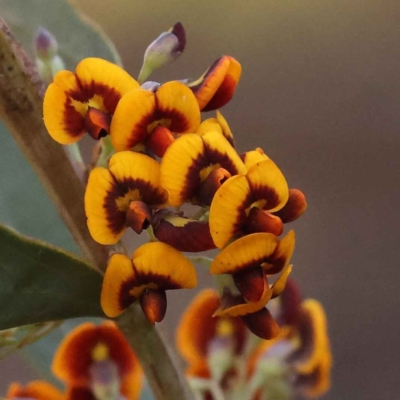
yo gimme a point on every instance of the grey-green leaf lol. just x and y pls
(41, 283)
(77, 36)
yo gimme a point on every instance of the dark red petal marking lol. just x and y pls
(294, 208)
(290, 304)
(212, 183)
(87, 91)
(115, 217)
(223, 95)
(73, 121)
(262, 221)
(251, 283)
(125, 299)
(193, 237)
(154, 304)
(262, 324)
(159, 140)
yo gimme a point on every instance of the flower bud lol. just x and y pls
(48, 62)
(164, 50)
(44, 44)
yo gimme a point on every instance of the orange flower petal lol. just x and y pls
(318, 382)
(140, 111)
(73, 359)
(253, 157)
(279, 285)
(155, 266)
(119, 279)
(282, 255)
(191, 158)
(268, 185)
(103, 83)
(263, 186)
(193, 342)
(226, 131)
(227, 88)
(37, 390)
(180, 159)
(106, 222)
(236, 306)
(228, 209)
(64, 118)
(219, 148)
(131, 177)
(217, 85)
(314, 341)
(210, 124)
(97, 83)
(172, 268)
(216, 124)
(176, 102)
(135, 112)
(246, 252)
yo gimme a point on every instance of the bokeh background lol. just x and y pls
(320, 92)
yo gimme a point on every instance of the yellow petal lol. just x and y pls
(134, 113)
(246, 252)
(228, 209)
(254, 156)
(136, 171)
(178, 168)
(63, 117)
(268, 185)
(176, 102)
(119, 278)
(226, 131)
(104, 82)
(169, 268)
(106, 222)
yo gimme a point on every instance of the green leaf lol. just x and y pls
(78, 37)
(41, 283)
(24, 205)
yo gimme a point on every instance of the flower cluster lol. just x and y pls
(94, 363)
(164, 157)
(181, 179)
(224, 361)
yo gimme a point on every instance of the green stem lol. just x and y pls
(107, 150)
(205, 261)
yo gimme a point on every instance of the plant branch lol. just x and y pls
(21, 109)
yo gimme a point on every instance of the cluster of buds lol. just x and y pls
(181, 179)
(94, 363)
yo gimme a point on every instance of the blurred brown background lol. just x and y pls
(320, 92)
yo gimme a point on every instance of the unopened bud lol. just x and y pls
(164, 50)
(44, 44)
(48, 62)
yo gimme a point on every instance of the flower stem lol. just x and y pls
(21, 109)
